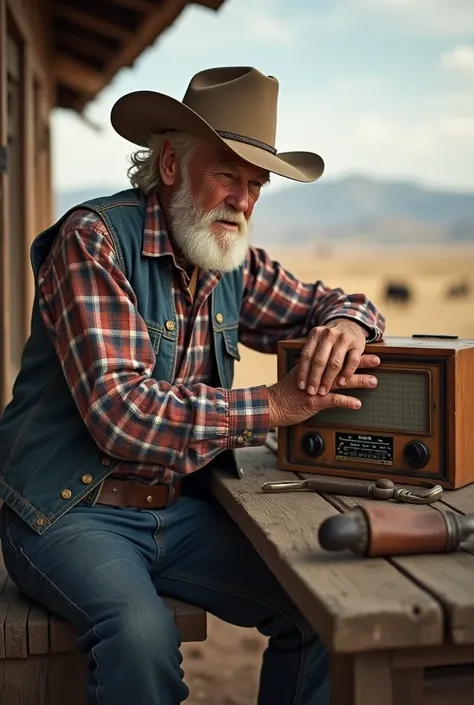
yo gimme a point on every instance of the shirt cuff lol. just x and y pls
(374, 333)
(249, 413)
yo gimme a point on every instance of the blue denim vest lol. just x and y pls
(45, 446)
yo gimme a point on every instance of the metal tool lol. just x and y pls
(383, 489)
(388, 530)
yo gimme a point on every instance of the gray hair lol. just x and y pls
(144, 172)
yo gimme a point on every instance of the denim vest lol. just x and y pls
(47, 455)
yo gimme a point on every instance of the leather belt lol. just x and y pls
(120, 493)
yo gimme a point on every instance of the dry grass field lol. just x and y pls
(224, 670)
(428, 275)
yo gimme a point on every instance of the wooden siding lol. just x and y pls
(26, 101)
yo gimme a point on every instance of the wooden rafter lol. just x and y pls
(89, 47)
(138, 5)
(84, 19)
(72, 73)
(101, 60)
(211, 4)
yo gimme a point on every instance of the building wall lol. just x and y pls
(26, 99)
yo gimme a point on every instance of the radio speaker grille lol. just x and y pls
(400, 402)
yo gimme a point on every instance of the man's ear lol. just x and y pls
(168, 164)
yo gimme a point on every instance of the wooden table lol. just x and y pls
(399, 630)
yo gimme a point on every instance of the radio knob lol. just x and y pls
(416, 454)
(313, 444)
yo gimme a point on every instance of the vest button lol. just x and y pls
(39, 521)
(86, 479)
(170, 325)
(105, 461)
(66, 494)
(219, 318)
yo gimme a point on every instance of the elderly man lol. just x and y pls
(124, 403)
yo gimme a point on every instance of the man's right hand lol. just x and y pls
(289, 405)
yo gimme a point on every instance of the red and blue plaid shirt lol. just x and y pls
(90, 310)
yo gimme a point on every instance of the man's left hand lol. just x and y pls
(332, 350)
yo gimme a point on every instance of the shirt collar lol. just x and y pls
(156, 240)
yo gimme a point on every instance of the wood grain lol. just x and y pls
(355, 604)
(448, 577)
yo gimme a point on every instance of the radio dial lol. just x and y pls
(416, 454)
(312, 444)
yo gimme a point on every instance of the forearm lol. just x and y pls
(181, 428)
(277, 305)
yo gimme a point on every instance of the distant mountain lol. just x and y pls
(357, 208)
(362, 208)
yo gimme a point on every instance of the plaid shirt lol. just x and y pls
(158, 430)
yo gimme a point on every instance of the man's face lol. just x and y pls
(211, 207)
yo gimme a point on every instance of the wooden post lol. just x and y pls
(4, 251)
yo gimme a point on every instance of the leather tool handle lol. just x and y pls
(404, 532)
(390, 530)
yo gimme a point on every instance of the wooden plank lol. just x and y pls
(66, 676)
(71, 72)
(448, 577)
(137, 5)
(151, 27)
(437, 656)
(32, 29)
(29, 204)
(354, 604)
(362, 679)
(25, 681)
(84, 45)
(15, 627)
(38, 630)
(62, 636)
(341, 677)
(372, 679)
(88, 21)
(408, 686)
(461, 500)
(5, 387)
(449, 686)
(190, 620)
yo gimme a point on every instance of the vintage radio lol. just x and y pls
(418, 424)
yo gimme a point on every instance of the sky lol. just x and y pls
(382, 88)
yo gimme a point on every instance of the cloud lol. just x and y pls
(442, 18)
(237, 24)
(458, 127)
(460, 59)
(374, 131)
(274, 31)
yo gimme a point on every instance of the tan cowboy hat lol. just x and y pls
(234, 106)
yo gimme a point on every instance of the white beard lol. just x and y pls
(190, 230)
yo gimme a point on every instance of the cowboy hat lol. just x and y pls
(234, 106)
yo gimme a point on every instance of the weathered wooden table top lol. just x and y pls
(356, 604)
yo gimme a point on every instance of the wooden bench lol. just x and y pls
(39, 662)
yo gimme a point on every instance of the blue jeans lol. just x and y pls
(104, 569)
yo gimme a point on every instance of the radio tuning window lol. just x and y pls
(399, 403)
